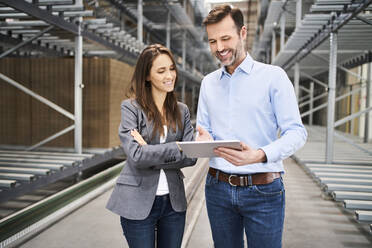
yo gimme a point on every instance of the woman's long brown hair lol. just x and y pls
(140, 89)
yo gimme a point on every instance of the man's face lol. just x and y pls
(226, 42)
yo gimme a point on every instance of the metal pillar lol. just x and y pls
(282, 31)
(273, 46)
(368, 102)
(298, 12)
(168, 29)
(78, 89)
(331, 96)
(351, 110)
(140, 21)
(184, 36)
(311, 104)
(297, 80)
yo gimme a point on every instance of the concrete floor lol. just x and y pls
(311, 221)
(314, 221)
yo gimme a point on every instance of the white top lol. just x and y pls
(163, 183)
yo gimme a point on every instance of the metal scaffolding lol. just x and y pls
(105, 28)
(329, 30)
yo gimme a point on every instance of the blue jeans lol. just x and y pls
(257, 209)
(168, 223)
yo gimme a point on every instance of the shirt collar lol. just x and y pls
(245, 66)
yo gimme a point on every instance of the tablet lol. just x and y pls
(204, 149)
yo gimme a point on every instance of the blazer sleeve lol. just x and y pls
(148, 155)
(188, 135)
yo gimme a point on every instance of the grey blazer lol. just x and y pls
(136, 186)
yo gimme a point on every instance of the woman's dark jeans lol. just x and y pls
(168, 223)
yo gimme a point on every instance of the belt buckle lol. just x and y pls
(231, 182)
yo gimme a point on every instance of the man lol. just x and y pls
(248, 101)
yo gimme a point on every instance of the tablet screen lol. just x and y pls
(204, 149)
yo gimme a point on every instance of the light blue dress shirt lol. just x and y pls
(252, 105)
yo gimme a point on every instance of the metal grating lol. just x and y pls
(348, 46)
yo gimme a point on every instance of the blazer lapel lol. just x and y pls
(171, 136)
(150, 129)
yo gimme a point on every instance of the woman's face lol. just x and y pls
(162, 75)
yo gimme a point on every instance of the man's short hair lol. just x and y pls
(221, 11)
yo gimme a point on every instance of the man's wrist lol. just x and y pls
(261, 156)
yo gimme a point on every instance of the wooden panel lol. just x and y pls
(15, 128)
(26, 121)
(120, 76)
(52, 78)
(95, 103)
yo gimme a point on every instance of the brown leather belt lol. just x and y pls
(244, 180)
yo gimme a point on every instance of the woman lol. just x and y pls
(149, 192)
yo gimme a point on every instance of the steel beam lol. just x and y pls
(352, 123)
(304, 89)
(351, 142)
(303, 98)
(273, 45)
(352, 116)
(184, 37)
(168, 30)
(368, 102)
(311, 105)
(314, 109)
(30, 46)
(331, 97)
(59, 22)
(298, 12)
(24, 43)
(78, 90)
(323, 33)
(140, 21)
(37, 96)
(315, 80)
(54, 136)
(297, 80)
(340, 67)
(282, 30)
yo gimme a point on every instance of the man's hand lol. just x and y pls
(137, 136)
(203, 134)
(246, 156)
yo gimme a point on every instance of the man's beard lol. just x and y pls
(234, 56)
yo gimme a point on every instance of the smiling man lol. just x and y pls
(248, 101)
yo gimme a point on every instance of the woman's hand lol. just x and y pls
(138, 137)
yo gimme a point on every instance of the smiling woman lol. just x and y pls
(152, 87)
(162, 76)
(149, 192)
